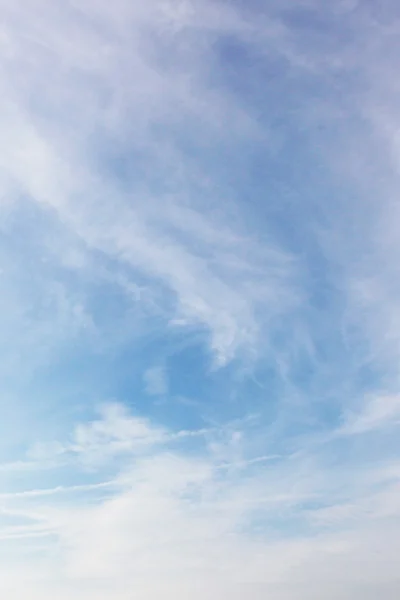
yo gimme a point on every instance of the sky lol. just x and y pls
(200, 299)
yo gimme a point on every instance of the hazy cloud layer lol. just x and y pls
(199, 300)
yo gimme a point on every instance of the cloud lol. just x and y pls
(378, 413)
(215, 183)
(163, 228)
(114, 426)
(176, 522)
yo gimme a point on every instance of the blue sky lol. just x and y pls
(199, 300)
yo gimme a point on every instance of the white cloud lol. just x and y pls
(114, 433)
(380, 412)
(107, 93)
(174, 522)
(113, 133)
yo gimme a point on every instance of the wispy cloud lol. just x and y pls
(163, 226)
(179, 520)
(377, 413)
(199, 202)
